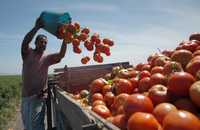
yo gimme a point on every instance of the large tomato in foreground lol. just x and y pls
(181, 120)
(142, 121)
(137, 103)
(179, 83)
(161, 110)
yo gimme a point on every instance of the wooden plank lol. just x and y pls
(77, 78)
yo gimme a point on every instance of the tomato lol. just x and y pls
(134, 82)
(144, 84)
(181, 120)
(172, 67)
(97, 96)
(186, 104)
(120, 100)
(161, 60)
(102, 110)
(158, 94)
(76, 49)
(179, 83)
(157, 69)
(146, 67)
(142, 121)
(137, 103)
(98, 58)
(68, 37)
(108, 42)
(161, 110)
(97, 85)
(98, 102)
(123, 86)
(139, 66)
(85, 30)
(120, 121)
(158, 78)
(61, 31)
(193, 66)
(85, 60)
(195, 36)
(94, 37)
(71, 28)
(75, 42)
(182, 56)
(195, 93)
(109, 98)
(83, 36)
(107, 88)
(167, 53)
(88, 45)
(123, 73)
(77, 26)
(196, 53)
(144, 73)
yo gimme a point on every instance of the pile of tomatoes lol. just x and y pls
(161, 94)
(73, 33)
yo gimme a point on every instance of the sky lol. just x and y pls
(138, 28)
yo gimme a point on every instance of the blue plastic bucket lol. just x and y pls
(53, 20)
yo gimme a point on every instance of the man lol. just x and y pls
(34, 76)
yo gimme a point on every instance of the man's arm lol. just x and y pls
(29, 37)
(56, 57)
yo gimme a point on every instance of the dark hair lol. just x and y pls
(39, 37)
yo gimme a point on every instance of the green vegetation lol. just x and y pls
(10, 87)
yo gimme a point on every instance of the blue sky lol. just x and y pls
(138, 27)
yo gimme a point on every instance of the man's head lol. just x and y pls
(41, 43)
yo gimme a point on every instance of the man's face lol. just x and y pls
(41, 44)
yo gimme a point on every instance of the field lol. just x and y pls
(9, 98)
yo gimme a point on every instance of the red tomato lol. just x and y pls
(77, 26)
(107, 88)
(85, 30)
(134, 82)
(158, 94)
(161, 60)
(182, 56)
(161, 110)
(158, 78)
(102, 110)
(76, 49)
(120, 121)
(186, 104)
(98, 102)
(108, 42)
(144, 73)
(97, 96)
(120, 100)
(75, 42)
(195, 36)
(195, 93)
(142, 121)
(137, 103)
(123, 86)
(144, 84)
(109, 98)
(88, 45)
(85, 60)
(179, 83)
(146, 67)
(97, 85)
(193, 66)
(172, 67)
(157, 69)
(181, 120)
